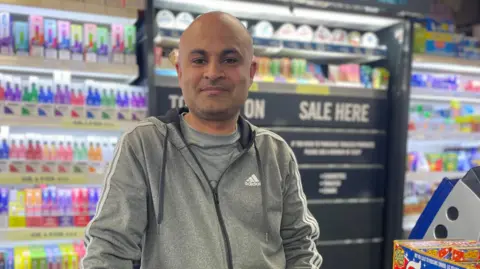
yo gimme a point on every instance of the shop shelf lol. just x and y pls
(167, 78)
(50, 179)
(445, 64)
(12, 235)
(37, 65)
(331, 53)
(432, 176)
(67, 123)
(71, 10)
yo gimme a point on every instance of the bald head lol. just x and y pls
(219, 25)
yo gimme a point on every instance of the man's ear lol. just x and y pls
(253, 68)
(179, 70)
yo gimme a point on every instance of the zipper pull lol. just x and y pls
(215, 197)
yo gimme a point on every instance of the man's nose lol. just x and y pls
(213, 71)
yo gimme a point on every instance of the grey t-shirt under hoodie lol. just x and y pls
(214, 152)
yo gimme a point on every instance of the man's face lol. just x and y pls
(215, 70)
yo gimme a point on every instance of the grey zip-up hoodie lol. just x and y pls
(157, 206)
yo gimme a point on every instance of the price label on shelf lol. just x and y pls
(254, 87)
(21, 178)
(87, 123)
(36, 234)
(312, 89)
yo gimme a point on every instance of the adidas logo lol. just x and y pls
(252, 181)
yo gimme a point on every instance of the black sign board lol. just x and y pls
(299, 110)
(340, 148)
(343, 183)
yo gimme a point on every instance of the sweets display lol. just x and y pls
(61, 39)
(35, 97)
(454, 254)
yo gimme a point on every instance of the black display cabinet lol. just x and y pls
(352, 164)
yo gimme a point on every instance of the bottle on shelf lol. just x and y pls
(61, 152)
(66, 95)
(53, 151)
(91, 152)
(46, 155)
(38, 151)
(30, 154)
(98, 153)
(4, 150)
(13, 154)
(34, 93)
(50, 96)
(69, 152)
(22, 151)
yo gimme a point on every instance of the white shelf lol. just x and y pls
(445, 64)
(328, 52)
(67, 123)
(37, 65)
(439, 95)
(72, 10)
(11, 235)
(433, 176)
(51, 179)
(443, 135)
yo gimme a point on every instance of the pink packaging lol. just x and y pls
(36, 35)
(63, 35)
(118, 44)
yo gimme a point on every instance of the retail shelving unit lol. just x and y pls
(356, 180)
(19, 173)
(438, 137)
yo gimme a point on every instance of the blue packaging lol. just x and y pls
(419, 80)
(50, 38)
(21, 38)
(366, 76)
(445, 82)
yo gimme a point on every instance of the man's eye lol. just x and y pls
(198, 61)
(231, 60)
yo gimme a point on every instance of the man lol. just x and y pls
(202, 187)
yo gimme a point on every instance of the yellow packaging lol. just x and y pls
(16, 209)
(22, 258)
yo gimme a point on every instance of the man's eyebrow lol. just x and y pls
(230, 51)
(198, 51)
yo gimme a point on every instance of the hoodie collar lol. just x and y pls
(245, 129)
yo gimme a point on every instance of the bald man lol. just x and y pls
(201, 187)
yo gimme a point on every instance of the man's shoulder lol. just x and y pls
(140, 131)
(271, 141)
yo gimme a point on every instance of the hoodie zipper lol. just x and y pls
(226, 240)
(223, 228)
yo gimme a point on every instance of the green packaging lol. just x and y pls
(130, 39)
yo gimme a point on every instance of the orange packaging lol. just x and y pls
(285, 67)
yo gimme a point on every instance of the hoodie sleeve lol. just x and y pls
(113, 237)
(299, 228)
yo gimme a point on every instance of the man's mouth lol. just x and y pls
(213, 90)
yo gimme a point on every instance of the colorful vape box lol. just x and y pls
(103, 44)
(118, 45)
(65, 207)
(90, 39)
(466, 254)
(22, 258)
(50, 38)
(30, 96)
(14, 105)
(16, 209)
(38, 257)
(6, 36)
(36, 36)
(76, 42)
(45, 105)
(63, 36)
(21, 38)
(130, 43)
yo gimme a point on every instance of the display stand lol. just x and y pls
(61, 113)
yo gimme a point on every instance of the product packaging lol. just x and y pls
(118, 45)
(20, 30)
(64, 38)
(412, 254)
(91, 45)
(6, 35)
(130, 43)
(103, 45)
(51, 41)
(36, 36)
(76, 42)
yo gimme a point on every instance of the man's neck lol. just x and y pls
(211, 127)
